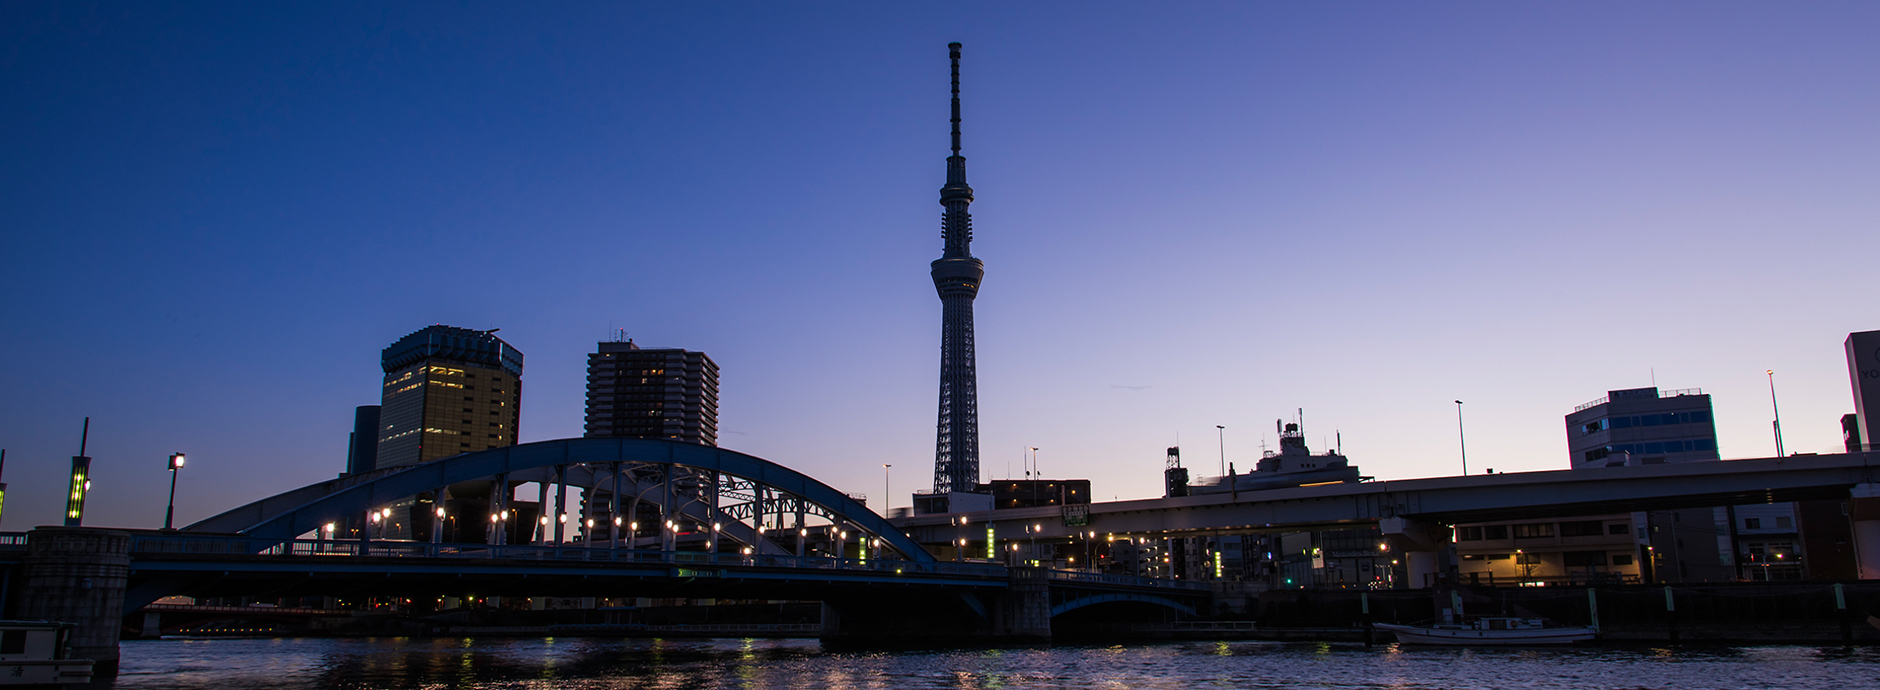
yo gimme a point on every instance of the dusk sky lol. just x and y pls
(214, 215)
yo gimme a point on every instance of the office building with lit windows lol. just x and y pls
(1642, 426)
(666, 393)
(447, 391)
(1638, 426)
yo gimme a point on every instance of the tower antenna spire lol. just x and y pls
(953, 51)
(956, 277)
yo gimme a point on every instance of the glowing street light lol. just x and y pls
(169, 513)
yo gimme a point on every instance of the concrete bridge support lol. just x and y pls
(1025, 607)
(1864, 511)
(78, 575)
(1019, 612)
(1428, 555)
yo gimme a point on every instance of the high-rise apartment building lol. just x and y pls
(447, 391)
(652, 393)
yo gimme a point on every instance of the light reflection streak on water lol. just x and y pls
(600, 663)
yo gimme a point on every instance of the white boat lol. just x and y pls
(1488, 631)
(37, 653)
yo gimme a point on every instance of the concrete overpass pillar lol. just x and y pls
(1864, 511)
(78, 575)
(1425, 548)
(1422, 567)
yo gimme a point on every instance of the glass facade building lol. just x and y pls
(447, 391)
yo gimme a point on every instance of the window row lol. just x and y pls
(1696, 417)
(1691, 445)
(1571, 559)
(1756, 523)
(1536, 530)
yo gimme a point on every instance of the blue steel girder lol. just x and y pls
(300, 511)
(1094, 599)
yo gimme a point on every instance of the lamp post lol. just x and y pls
(1462, 441)
(885, 490)
(1220, 434)
(1035, 475)
(1778, 411)
(176, 463)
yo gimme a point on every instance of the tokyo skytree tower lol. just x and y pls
(956, 277)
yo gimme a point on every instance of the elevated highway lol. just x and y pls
(1416, 511)
(1441, 500)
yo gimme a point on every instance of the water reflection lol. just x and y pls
(581, 664)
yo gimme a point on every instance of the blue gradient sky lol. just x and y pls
(215, 215)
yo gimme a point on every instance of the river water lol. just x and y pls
(241, 664)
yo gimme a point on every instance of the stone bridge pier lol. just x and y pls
(1025, 607)
(78, 575)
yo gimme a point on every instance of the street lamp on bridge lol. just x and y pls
(176, 463)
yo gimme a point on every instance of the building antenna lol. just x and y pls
(83, 436)
(1654, 371)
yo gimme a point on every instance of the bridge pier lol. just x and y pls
(78, 575)
(1864, 512)
(1020, 612)
(1025, 607)
(1425, 547)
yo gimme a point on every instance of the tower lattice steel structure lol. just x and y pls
(956, 276)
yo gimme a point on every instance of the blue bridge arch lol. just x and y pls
(1119, 597)
(630, 465)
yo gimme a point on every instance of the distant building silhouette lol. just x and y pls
(447, 391)
(362, 447)
(652, 393)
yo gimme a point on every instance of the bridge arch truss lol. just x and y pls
(698, 496)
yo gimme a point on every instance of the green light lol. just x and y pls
(75, 501)
(991, 549)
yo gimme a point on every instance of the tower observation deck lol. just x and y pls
(956, 276)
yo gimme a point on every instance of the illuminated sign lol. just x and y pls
(81, 483)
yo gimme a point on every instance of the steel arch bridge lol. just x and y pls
(729, 496)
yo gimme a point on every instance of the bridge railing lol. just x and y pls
(224, 545)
